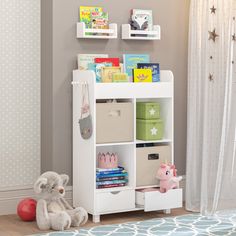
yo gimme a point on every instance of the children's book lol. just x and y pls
(108, 72)
(85, 59)
(111, 186)
(141, 19)
(112, 182)
(97, 68)
(99, 21)
(131, 60)
(110, 178)
(114, 61)
(123, 173)
(142, 75)
(86, 12)
(155, 70)
(119, 168)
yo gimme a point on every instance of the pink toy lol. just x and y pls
(167, 174)
(107, 161)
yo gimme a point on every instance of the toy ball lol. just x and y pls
(26, 209)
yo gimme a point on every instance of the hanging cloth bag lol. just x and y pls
(86, 129)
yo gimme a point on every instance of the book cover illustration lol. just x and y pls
(99, 21)
(83, 60)
(114, 61)
(97, 68)
(131, 61)
(107, 73)
(155, 70)
(142, 75)
(86, 12)
(141, 19)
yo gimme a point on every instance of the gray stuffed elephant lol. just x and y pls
(53, 211)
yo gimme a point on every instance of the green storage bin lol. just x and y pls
(149, 129)
(148, 110)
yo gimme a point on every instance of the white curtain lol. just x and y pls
(211, 148)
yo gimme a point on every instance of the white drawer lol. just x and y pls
(154, 200)
(115, 201)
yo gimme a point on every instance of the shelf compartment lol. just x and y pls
(154, 34)
(115, 201)
(82, 32)
(155, 200)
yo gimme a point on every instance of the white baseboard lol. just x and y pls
(9, 198)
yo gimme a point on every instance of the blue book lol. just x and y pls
(131, 60)
(112, 182)
(111, 169)
(102, 175)
(97, 68)
(155, 70)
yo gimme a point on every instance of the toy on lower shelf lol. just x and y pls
(167, 174)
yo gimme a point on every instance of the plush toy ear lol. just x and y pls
(40, 184)
(65, 179)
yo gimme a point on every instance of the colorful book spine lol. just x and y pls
(112, 182)
(111, 178)
(114, 61)
(110, 186)
(124, 173)
(113, 169)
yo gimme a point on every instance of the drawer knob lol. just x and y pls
(115, 192)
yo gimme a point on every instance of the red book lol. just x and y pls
(114, 61)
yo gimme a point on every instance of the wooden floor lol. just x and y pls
(12, 226)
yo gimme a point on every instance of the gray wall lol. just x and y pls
(170, 52)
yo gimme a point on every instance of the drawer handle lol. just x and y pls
(114, 113)
(153, 156)
(115, 192)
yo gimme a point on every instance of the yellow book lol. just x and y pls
(86, 12)
(142, 75)
(107, 73)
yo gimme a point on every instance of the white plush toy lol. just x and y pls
(53, 211)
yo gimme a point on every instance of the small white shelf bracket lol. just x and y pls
(154, 34)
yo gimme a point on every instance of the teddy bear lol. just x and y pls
(167, 174)
(53, 211)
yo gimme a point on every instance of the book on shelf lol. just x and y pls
(141, 19)
(110, 178)
(101, 175)
(111, 186)
(107, 73)
(86, 12)
(83, 60)
(131, 60)
(124, 181)
(97, 68)
(155, 67)
(142, 75)
(99, 21)
(114, 61)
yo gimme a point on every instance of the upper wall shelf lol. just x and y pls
(110, 33)
(154, 34)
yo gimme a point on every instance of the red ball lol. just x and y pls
(26, 209)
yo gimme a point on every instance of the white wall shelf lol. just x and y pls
(154, 34)
(122, 199)
(84, 33)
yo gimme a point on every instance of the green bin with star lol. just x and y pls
(149, 129)
(148, 110)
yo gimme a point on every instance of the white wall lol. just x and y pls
(19, 92)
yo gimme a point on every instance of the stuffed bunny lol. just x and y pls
(53, 211)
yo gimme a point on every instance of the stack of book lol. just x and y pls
(111, 178)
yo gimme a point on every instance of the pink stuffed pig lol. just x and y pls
(167, 174)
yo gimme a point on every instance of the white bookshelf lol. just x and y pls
(122, 199)
(154, 34)
(85, 33)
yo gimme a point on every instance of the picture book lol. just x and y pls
(107, 73)
(86, 12)
(111, 186)
(97, 68)
(84, 59)
(110, 178)
(119, 168)
(120, 78)
(114, 61)
(99, 21)
(142, 75)
(112, 182)
(141, 19)
(131, 60)
(102, 175)
(155, 70)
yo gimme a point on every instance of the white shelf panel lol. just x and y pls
(154, 34)
(153, 141)
(117, 189)
(113, 144)
(82, 32)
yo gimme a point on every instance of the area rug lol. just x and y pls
(186, 225)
